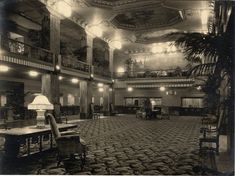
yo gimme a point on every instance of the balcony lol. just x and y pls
(72, 63)
(16, 51)
(170, 73)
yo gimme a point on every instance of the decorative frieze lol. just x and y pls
(25, 63)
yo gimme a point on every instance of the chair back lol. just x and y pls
(54, 129)
(164, 110)
(220, 119)
(92, 108)
(111, 107)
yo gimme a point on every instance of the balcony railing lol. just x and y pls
(101, 72)
(152, 74)
(26, 50)
(69, 62)
(32, 53)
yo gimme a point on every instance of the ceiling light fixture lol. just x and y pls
(4, 68)
(120, 70)
(74, 80)
(162, 88)
(100, 84)
(101, 89)
(60, 77)
(33, 73)
(129, 89)
(57, 67)
(64, 8)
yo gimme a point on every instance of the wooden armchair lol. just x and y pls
(210, 134)
(94, 115)
(69, 144)
(112, 109)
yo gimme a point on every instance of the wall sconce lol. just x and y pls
(40, 104)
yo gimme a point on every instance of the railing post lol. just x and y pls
(92, 70)
(30, 52)
(0, 44)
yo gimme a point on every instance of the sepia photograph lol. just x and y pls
(117, 87)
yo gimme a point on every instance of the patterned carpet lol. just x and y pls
(126, 145)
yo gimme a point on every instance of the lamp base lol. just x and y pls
(40, 119)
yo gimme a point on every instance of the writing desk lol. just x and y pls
(16, 137)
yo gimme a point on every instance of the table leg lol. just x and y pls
(40, 143)
(51, 140)
(28, 146)
(12, 147)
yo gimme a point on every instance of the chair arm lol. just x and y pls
(65, 133)
(68, 138)
(207, 131)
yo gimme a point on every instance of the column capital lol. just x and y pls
(89, 35)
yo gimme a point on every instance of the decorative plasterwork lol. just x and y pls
(18, 61)
(153, 83)
(147, 19)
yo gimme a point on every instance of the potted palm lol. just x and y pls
(213, 53)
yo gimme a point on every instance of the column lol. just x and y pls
(65, 99)
(50, 82)
(106, 100)
(111, 51)
(111, 69)
(85, 99)
(89, 43)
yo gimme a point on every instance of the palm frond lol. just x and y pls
(196, 45)
(203, 69)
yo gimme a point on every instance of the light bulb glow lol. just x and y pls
(100, 84)
(129, 89)
(120, 70)
(60, 77)
(4, 68)
(57, 67)
(101, 89)
(162, 88)
(33, 73)
(74, 80)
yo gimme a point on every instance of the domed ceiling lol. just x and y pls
(147, 19)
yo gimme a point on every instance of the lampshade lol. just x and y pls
(40, 102)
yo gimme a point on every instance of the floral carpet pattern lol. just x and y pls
(125, 145)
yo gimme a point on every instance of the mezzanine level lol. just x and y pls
(23, 54)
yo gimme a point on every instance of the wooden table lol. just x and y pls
(16, 136)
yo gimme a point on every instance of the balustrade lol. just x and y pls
(75, 64)
(151, 74)
(28, 51)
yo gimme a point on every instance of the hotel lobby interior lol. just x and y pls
(116, 87)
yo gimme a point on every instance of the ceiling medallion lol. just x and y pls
(146, 19)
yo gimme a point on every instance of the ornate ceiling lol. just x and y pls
(139, 23)
(135, 23)
(147, 19)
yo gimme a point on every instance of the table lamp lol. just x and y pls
(40, 104)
